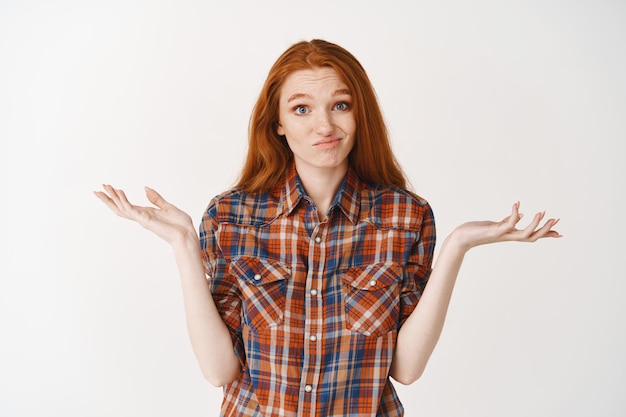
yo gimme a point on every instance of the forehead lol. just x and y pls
(313, 82)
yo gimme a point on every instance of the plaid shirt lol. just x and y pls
(314, 307)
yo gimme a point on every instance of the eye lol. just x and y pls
(301, 110)
(342, 106)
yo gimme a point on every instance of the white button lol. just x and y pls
(314, 292)
(318, 239)
(257, 277)
(308, 388)
(313, 338)
(373, 283)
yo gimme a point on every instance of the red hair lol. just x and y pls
(269, 157)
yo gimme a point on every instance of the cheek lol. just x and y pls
(290, 142)
(350, 122)
(351, 127)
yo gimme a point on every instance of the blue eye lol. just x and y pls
(301, 110)
(341, 106)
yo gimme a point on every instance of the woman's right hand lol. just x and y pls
(209, 335)
(166, 220)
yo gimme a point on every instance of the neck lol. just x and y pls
(321, 185)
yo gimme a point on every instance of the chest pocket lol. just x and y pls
(263, 286)
(372, 298)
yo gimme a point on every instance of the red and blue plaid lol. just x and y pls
(314, 307)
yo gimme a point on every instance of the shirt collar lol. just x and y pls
(348, 198)
(293, 191)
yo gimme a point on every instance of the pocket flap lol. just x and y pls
(259, 271)
(372, 277)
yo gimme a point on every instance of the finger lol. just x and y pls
(514, 213)
(124, 200)
(514, 218)
(156, 199)
(546, 230)
(553, 233)
(125, 209)
(139, 214)
(112, 195)
(530, 229)
(107, 201)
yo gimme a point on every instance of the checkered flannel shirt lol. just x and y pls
(314, 307)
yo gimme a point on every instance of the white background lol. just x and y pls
(488, 102)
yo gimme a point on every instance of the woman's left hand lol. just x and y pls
(477, 233)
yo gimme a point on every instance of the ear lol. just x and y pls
(279, 129)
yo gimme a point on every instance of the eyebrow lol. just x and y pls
(340, 92)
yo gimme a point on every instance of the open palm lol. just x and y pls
(477, 233)
(165, 220)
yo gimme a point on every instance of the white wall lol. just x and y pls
(488, 102)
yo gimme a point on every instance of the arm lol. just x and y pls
(210, 338)
(420, 332)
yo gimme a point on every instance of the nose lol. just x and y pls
(323, 123)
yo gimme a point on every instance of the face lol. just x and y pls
(315, 116)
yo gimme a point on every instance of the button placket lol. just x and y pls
(314, 322)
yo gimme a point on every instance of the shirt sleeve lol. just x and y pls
(222, 285)
(419, 265)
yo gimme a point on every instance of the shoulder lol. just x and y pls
(239, 207)
(391, 207)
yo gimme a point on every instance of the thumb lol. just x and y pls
(155, 198)
(515, 216)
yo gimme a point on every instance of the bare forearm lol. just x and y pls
(421, 330)
(210, 338)
(209, 335)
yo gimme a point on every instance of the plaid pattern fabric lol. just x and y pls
(314, 307)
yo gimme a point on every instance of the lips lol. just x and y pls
(327, 140)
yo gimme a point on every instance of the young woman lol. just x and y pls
(305, 290)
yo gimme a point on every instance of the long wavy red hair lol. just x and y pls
(269, 157)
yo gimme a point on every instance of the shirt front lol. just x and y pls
(314, 307)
